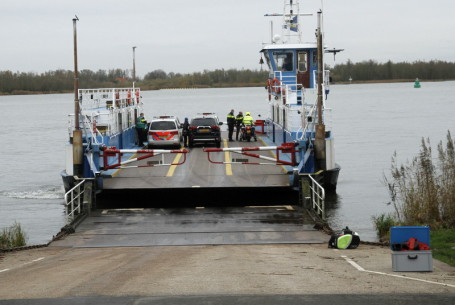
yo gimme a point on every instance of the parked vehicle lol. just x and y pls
(164, 131)
(205, 128)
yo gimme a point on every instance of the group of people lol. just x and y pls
(232, 121)
(237, 122)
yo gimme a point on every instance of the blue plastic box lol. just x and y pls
(400, 235)
(421, 260)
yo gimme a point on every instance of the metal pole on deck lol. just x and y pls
(77, 132)
(320, 127)
(134, 63)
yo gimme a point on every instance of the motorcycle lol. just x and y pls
(247, 133)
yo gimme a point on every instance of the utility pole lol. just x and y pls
(134, 64)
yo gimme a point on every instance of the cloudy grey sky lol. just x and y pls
(193, 35)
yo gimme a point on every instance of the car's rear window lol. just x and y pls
(163, 125)
(203, 122)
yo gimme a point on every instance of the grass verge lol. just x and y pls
(443, 245)
(13, 237)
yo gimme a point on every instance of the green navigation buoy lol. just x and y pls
(417, 83)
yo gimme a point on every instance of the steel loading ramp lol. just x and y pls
(198, 172)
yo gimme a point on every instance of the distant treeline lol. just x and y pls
(374, 71)
(63, 80)
(206, 79)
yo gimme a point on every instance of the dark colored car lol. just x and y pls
(205, 128)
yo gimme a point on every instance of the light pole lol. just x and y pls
(134, 63)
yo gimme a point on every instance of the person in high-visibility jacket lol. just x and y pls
(248, 120)
(141, 125)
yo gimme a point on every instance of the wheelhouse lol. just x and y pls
(292, 63)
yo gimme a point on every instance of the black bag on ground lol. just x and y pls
(346, 239)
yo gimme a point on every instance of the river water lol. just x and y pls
(370, 123)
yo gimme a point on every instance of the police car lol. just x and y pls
(164, 130)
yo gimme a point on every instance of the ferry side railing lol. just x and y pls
(78, 200)
(326, 80)
(309, 125)
(313, 195)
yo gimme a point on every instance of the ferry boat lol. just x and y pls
(297, 89)
(106, 118)
(102, 135)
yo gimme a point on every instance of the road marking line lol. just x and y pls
(359, 268)
(24, 264)
(171, 170)
(227, 158)
(38, 259)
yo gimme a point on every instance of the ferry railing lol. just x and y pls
(326, 80)
(309, 126)
(109, 97)
(74, 201)
(313, 195)
(90, 128)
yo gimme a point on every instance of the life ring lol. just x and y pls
(276, 87)
(129, 97)
(137, 96)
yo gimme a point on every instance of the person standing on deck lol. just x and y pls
(238, 124)
(141, 125)
(231, 124)
(185, 131)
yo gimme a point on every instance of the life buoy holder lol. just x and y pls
(276, 86)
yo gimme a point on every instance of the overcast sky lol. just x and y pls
(193, 35)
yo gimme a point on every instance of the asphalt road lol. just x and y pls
(223, 274)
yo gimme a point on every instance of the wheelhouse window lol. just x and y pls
(267, 59)
(284, 60)
(302, 62)
(315, 59)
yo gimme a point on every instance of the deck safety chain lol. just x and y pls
(284, 148)
(148, 153)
